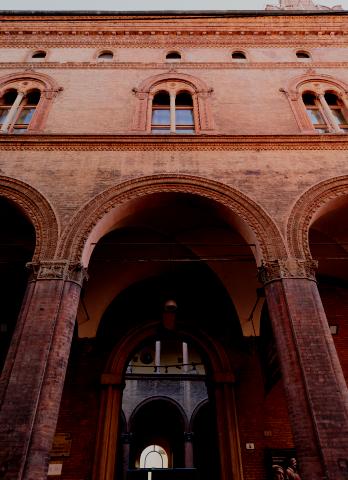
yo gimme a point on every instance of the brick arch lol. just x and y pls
(76, 237)
(196, 84)
(295, 84)
(39, 212)
(46, 82)
(305, 210)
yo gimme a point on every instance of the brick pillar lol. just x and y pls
(314, 385)
(35, 370)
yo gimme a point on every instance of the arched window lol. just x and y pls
(173, 103)
(25, 99)
(172, 113)
(106, 56)
(173, 57)
(319, 103)
(239, 56)
(303, 56)
(39, 55)
(17, 110)
(154, 456)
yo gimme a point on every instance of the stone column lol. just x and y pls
(333, 127)
(188, 438)
(172, 112)
(35, 369)
(314, 385)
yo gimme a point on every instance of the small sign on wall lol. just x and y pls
(55, 469)
(61, 445)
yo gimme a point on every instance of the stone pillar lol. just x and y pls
(333, 127)
(227, 426)
(172, 112)
(314, 385)
(35, 369)
(188, 438)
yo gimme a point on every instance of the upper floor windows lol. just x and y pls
(303, 56)
(106, 56)
(239, 56)
(39, 56)
(25, 99)
(172, 113)
(319, 103)
(17, 110)
(173, 103)
(173, 57)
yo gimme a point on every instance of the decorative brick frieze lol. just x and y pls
(287, 268)
(58, 270)
(149, 142)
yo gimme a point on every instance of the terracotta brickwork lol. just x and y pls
(255, 194)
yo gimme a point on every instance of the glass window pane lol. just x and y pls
(322, 130)
(315, 116)
(184, 117)
(3, 114)
(18, 131)
(25, 116)
(162, 131)
(185, 131)
(161, 117)
(339, 118)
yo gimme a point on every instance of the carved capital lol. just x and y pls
(58, 270)
(288, 268)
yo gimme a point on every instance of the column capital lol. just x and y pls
(57, 270)
(288, 268)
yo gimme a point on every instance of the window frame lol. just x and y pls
(174, 83)
(319, 85)
(25, 83)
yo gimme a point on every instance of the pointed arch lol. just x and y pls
(39, 212)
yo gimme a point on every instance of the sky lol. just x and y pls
(118, 5)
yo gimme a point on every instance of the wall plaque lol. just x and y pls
(61, 445)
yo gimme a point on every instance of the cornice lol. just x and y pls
(164, 66)
(148, 142)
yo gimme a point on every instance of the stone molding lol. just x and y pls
(305, 209)
(57, 270)
(77, 233)
(39, 212)
(289, 268)
(175, 142)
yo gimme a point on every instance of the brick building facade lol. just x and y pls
(173, 195)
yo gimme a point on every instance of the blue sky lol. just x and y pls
(146, 4)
